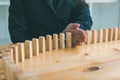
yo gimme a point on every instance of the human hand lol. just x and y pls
(78, 35)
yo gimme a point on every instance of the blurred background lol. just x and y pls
(105, 14)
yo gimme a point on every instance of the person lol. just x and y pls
(33, 18)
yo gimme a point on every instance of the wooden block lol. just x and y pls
(11, 53)
(62, 40)
(68, 40)
(88, 36)
(119, 33)
(105, 35)
(94, 36)
(7, 62)
(2, 77)
(4, 62)
(21, 52)
(100, 35)
(27, 76)
(55, 41)
(28, 49)
(48, 42)
(115, 33)
(42, 44)
(16, 72)
(35, 45)
(11, 67)
(15, 53)
(110, 34)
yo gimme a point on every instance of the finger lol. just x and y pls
(74, 26)
(81, 34)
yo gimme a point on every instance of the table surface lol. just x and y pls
(99, 61)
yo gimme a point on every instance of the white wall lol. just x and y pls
(4, 35)
(105, 15)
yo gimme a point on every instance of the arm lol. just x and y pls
(17, 22)
(82, 16)
(81, 21)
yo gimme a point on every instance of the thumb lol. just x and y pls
(76, 25)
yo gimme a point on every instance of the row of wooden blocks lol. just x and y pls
(20, 51)
(103, 35)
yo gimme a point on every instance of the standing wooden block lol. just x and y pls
(48, 42)
(119, 33)
(115, 33)
(105, 35)
(62, 40)
(5, 61)
(42, 44)
(88, 36)
(100, 35)
(68, 40)
(14, 71)
(55, 41)
(110, 34)
(11, 67)
(9, 63)
(35, 46)
(94, 36)
(15, 53)
(21, 52)
(26, 76)
(28, 49)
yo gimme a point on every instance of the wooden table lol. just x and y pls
(100, 61)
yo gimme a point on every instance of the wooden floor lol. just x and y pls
(99, 61)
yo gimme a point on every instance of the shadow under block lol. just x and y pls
(100, 36)
(48, 42)
(21, 52)
(42, 44)
(105, 33)
(68, 40)
(35, 46)
(55, 41)
(28, 49)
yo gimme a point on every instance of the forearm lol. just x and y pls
(82, 16)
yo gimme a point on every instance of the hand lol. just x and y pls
(78, 35)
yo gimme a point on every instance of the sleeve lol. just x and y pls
(17, 22)
(83, 17)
